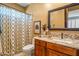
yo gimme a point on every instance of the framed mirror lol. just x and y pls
(56, 17)
(64, 18)
(73, 17)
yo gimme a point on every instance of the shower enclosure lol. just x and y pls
(16, 30)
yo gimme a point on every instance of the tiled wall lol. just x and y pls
(66, 34)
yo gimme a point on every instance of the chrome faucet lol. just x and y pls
(61, 35)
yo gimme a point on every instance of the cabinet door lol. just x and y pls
(54, 53)
(39, 50)
(61, 48)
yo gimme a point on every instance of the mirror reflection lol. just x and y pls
(57, 19)
(73, 17)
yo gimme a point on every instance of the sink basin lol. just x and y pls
(64, 41)
(59, 40)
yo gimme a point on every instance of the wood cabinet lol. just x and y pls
(54, 53)
(43, 48)
(40, 48)
(62, 49)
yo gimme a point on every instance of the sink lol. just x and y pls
(66, 41)
(59, 40)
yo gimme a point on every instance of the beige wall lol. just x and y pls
(15, 6)
(40, 11)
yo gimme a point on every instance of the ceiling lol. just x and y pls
(23, 4)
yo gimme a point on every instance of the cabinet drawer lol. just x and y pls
(61, 48)
(40, 42)
(54, 53)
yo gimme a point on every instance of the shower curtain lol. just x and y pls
(16, 30)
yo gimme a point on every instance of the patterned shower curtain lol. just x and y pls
(16, 30)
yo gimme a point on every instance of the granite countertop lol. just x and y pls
(69, 43)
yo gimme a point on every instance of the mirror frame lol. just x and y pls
(60, 8)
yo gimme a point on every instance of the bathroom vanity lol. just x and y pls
(47, 47)
(62, 18)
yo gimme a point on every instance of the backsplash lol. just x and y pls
(66, 34)
(56, 34)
